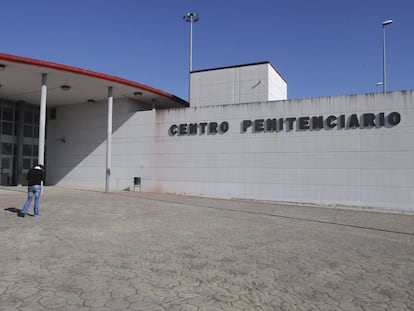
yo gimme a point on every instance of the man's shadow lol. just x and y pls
(15, 210)
(12, 210)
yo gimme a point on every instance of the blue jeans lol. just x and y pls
(35, 191)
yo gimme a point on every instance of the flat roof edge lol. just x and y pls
(242, 65)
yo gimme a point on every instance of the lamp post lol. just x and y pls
(384, 63)
(191, 18)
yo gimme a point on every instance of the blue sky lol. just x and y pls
(321, 47)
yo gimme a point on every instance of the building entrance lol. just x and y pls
(19, 139)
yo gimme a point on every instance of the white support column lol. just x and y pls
(109, 142)
(42, 120)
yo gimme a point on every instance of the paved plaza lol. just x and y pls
(137, 251)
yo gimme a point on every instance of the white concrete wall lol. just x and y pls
(235, 85)
(371, 167)
(75, 146)
(80, 161)
(277, 85)
(366, 167)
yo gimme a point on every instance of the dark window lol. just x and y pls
(8, 113)
(28, 131)
(5, 163)
(8, 148)
(27, 150)
(7, 128)
(36, 116)
(27, 163)
(35, 131)
(28, 115)
(53, 114)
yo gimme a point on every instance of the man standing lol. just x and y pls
(35, 177)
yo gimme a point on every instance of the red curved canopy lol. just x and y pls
(20, 79)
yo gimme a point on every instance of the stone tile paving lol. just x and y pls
(135, 251)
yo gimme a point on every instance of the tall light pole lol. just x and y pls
(384, 63)
(191, 18)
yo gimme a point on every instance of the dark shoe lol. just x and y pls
(21, 214)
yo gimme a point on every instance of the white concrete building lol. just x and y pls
(249, 83)
(241, 138)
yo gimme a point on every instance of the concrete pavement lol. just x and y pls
(136, 251)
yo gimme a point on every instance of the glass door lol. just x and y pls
(7, 142)
(7, 156)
